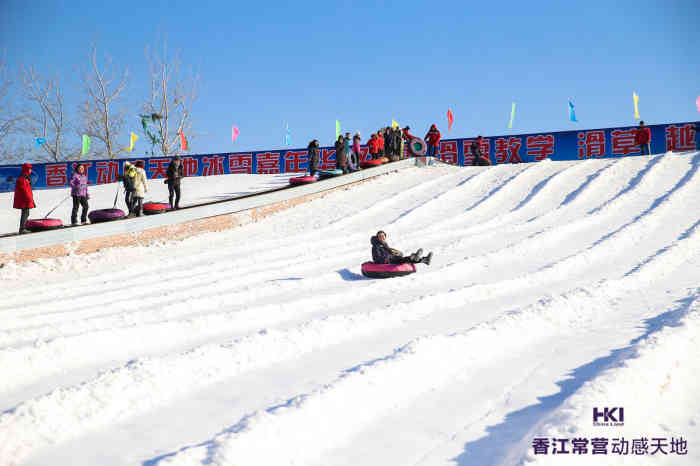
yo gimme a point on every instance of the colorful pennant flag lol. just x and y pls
(132, 140)
(337, 129)
(394, 124)
(572, 113)
(288, 136)
(635, 97)
(697, 102)
(40, 141)
(234, 133)
(183, 141)
(512, 115)
(86, 144)
(450, 119)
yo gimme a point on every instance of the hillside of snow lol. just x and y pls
(555, 288)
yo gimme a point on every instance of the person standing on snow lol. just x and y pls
(79, 193)
(128, 180)
(383, 254)
(313, 157)
(373, 145)
(349, 163)
(432, 139)
(340, 162)
(24, 198)
(642, 138)
(175, 174)
(479, 158)
(357, 154)
(140, 188)
(382, 143)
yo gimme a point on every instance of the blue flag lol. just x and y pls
(572, 113)
(40, 141)
(288, 136)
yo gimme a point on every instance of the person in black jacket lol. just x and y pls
(313, 156)
(175, 174)
(340, 161)
(383, 254)
(479, 158)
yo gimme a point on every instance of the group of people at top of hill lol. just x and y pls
(135, 187)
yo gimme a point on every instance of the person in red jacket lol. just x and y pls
(373, 145)
(642, 138)
(380, 138)
(24, 199)
(432, 139)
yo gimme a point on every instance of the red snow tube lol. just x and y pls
(42, 224)
(417, 147)
(302, 180)
(152, 208)
(371, 163)
(372, 270)
(384, 159)
(105, 215)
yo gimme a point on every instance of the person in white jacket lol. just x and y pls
(140, 188)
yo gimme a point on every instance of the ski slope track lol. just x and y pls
(555, 288)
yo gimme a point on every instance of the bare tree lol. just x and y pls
(170, 105)
(100, 120)
(43, 117)
(9, 119)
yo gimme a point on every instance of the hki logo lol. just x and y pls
(609, 416)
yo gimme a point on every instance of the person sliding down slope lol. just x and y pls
(383, 254)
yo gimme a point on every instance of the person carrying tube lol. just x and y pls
(79, 193)
(24, 197)
(175, 174)
(383, 254)
(128, 181)
(479, 158)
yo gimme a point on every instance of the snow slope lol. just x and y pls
(555, 288)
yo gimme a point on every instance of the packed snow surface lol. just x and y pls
(555, 288)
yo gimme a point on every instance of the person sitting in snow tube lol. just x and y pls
(383, 254)
(389, 262)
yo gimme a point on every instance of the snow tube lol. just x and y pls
(152, 208)
(371, 163)
(384, 159)
(41, 224)
(329, 173)
(105, 215)
(372, 270)
(417, 147)
(302, 180)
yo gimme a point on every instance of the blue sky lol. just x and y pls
(263, 64)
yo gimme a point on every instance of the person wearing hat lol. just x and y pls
(128, 180)
(313, 156)
(175, 174)
(383, 254)
(432, 138)
(140, 188)
(24, 198)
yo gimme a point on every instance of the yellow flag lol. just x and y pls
(636, 104)
(134, 137)
(394, 124)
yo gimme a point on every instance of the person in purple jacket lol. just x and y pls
(79, 191)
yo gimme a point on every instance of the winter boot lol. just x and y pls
(426, 260)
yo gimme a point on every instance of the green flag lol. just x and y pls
(337, 129)
(86, 144)
(512, 114)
